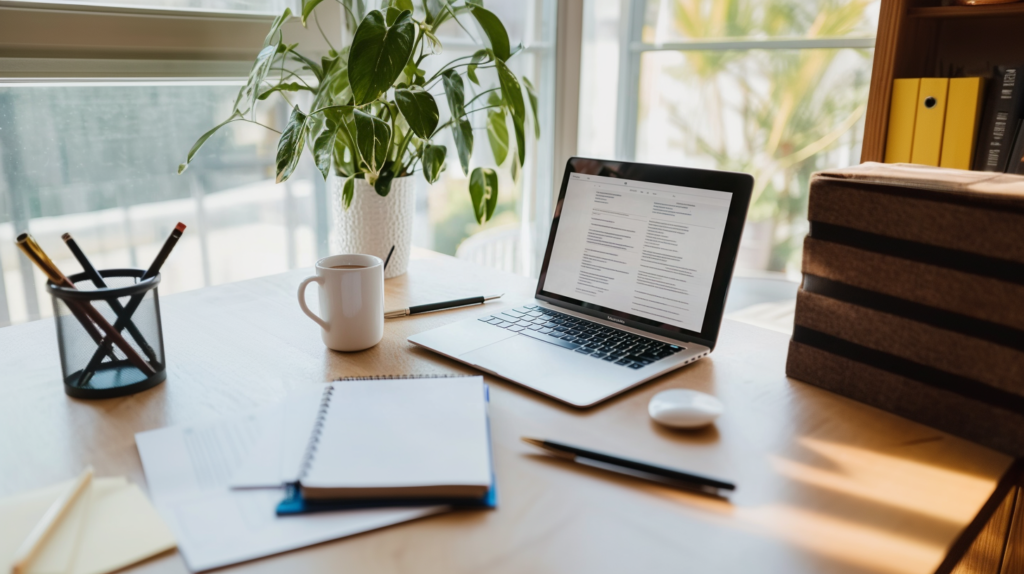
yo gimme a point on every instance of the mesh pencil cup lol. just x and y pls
(92, 367)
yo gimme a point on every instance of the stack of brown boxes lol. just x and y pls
(913, 297)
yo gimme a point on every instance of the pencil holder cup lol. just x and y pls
(94, 364)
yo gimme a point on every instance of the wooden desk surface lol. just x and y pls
(825, 484)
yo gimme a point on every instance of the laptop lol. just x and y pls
(633, 284)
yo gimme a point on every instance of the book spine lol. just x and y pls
(1001, 115)
(963, 107)
(902, 116)
(1015, 163)
(930, 121)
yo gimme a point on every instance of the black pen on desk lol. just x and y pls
(635, 468)
(416, 309)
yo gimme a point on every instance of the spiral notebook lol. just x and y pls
(406, 440)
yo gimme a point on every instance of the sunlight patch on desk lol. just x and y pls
(880, 477)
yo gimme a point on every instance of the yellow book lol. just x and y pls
(902, 112)
(963, 112)
(931, 117)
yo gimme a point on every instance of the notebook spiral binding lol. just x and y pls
(325, 403)
(388, 377)
(318, 426)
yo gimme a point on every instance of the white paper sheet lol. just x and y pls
(189, 469)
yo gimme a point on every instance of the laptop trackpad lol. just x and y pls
(458, 338)
(552, 370)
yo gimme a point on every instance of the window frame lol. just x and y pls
(632, 47)
(41, 40)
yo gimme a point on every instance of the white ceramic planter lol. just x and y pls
(372, 224)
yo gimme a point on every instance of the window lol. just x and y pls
(775, 88)
(100, 101)
(444, 216)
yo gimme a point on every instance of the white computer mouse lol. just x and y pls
(684, 409)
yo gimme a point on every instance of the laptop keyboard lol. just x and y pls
(582, 336)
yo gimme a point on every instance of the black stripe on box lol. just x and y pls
(962, 324)
(963, 386)
(990, 201)
(1002, 269)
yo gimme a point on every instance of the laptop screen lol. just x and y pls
(644, 249)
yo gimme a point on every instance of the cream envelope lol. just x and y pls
(110, 526)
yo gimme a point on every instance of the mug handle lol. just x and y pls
(302, 301)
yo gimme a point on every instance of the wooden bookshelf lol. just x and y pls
(923, 38)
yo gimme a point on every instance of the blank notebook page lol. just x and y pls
(394, 433)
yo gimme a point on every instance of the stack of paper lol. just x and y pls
(109, 526)
(191, 470)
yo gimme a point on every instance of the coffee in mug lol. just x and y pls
(351, 301)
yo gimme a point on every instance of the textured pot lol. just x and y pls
(372, 224)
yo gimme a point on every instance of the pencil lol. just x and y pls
(29, 246)
(49, 522)
(116, 305)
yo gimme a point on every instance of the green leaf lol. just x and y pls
(517, 125)
(334, 88)
(419, 109)
(462, 130)
(378, 54)
(307, 9)
(202, 140)
(483, 191)
(403, 5)
(275, 27)
(285, 87)
(373, 135)
(348, 191)
(455, 92)
(497, 134)
(345, 120)
(289, 147)
(246, 98)
(478, 57)
(313, 66)
(433, 162)
(323, 148)
(432, 9)
(431, 42)
(514, 167)
(391, 15)
(531, 92)
(511, 91)
(383, 184)
(497, 37)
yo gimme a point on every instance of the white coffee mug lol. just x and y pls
(351, 301)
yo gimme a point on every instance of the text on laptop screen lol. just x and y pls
(646, 249)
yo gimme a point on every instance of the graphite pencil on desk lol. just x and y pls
(631, 467)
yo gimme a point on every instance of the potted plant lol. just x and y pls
(373, 117)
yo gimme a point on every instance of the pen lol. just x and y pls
(634, 468)
(46, 525)
(116, 305)
(136, 300)
(415, 309)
